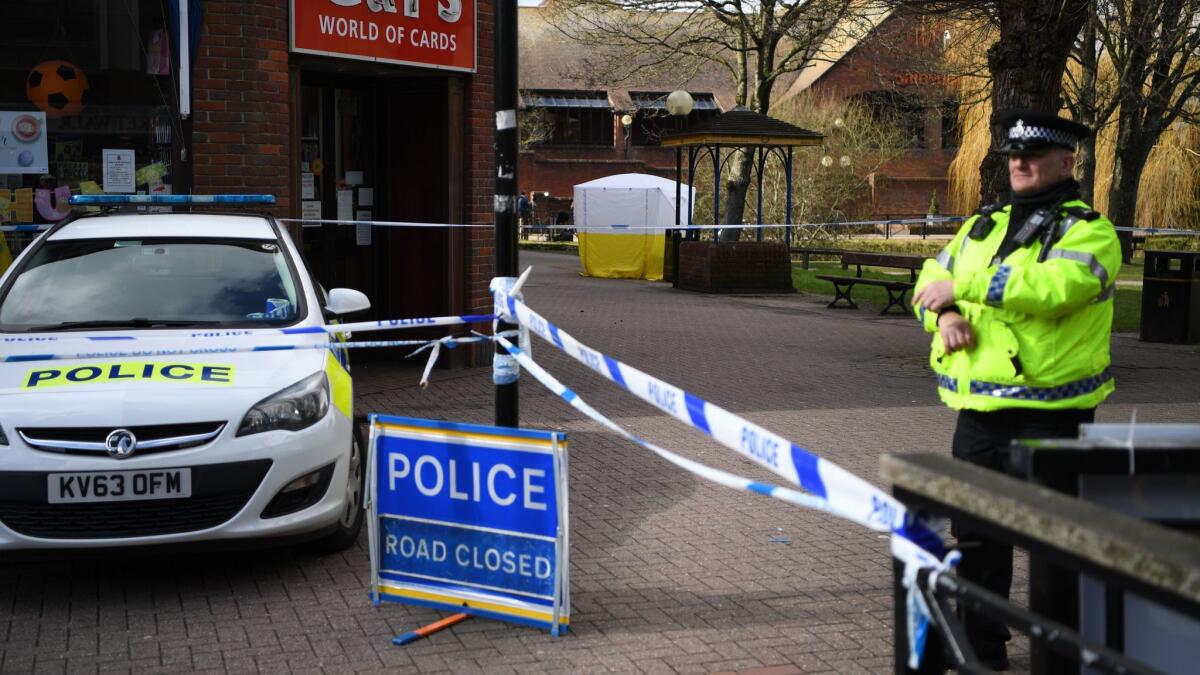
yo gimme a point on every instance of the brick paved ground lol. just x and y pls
(669, 574)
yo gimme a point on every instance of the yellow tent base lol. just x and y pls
(622, 256)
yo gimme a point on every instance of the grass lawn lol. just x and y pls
(1127, 310)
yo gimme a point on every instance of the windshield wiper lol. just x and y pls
(119, 323)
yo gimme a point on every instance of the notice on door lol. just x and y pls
(118, 170)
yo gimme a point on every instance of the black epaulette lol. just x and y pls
(1081, 213)
(983, 224)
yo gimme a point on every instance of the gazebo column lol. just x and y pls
(762, 162)
(787, 211)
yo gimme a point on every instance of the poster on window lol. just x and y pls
(23, 142)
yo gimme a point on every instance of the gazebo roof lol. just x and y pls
(742, 126)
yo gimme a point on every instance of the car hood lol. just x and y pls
(141, 389)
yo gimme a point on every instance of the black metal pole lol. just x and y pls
(505, 211)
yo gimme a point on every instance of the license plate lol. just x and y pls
(118, 486)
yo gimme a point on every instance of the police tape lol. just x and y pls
(383, 223)
(238, 333)
(448, 341)
(709, 473)
(902, 548)
(846, 493)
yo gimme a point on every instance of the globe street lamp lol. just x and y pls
(626, 124)
(679, 105)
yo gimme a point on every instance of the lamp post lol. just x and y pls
(679, 105)
(626, 125)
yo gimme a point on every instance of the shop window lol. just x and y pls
(572, 117)
(78, 77)
(651, 119)
(903, 112)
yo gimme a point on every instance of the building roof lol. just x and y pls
(551, 61)
(840, 43)
(741, 126)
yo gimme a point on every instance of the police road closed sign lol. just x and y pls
(427, 33)
(470, 518)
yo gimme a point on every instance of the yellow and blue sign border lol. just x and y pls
(550, 611)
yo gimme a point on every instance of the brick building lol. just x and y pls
(369, 110)
(887, 60)
(894, 69)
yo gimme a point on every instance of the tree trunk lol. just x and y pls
(1130, 159)
(1085, 157)
(737, 183)
(1085, 163)
(1027, 78)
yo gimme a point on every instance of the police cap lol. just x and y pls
(1031, 131)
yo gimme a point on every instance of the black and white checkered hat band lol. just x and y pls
(1026, 133)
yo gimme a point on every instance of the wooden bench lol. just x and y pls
(806, 252)
(896, 290)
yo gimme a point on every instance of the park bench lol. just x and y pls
(806, 252)
(896, 290)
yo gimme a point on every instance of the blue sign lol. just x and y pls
(470, 518)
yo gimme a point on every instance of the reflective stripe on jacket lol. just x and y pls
(1042, 329)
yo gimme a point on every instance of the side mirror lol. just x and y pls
(346, 301)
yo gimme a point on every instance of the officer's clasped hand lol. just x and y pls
(956, 333)
(935, 296)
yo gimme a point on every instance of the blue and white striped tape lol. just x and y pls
(845, 493)
(24, 228)
(231, 349)
(708, 473)
(241, 333)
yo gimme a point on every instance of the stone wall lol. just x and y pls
(734, 267)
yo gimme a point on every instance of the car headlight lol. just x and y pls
(301, 405)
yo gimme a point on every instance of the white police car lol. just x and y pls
(152, 449)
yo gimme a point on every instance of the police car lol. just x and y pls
(217, 442)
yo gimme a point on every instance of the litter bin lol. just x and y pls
(1171, 297)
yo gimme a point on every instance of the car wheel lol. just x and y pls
(353, 515)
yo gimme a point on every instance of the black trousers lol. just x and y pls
(983, 438)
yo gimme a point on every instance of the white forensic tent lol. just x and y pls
(622, 220)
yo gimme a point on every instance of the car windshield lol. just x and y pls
(151, 282)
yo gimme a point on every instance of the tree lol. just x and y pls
(758, 42)
(1153, 46)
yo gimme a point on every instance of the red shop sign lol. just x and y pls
(427, 33)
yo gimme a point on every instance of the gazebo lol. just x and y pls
(717, 139)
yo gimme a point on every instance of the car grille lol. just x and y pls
(90, 440)
(219, 492)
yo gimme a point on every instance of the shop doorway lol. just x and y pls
(377, 149)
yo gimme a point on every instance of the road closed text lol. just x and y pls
(468, 556)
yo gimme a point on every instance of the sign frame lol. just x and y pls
(550, 612)
(380, 59)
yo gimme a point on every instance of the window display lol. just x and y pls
(79, 78)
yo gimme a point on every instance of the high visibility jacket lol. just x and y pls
(1042, 329)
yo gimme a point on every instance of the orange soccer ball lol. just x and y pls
(57, 88)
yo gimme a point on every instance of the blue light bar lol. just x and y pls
(113, 200)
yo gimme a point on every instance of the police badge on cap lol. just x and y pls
(1031, 131)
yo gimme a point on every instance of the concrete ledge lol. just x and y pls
(1147, 553)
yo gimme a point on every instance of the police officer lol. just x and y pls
(1021, 305)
